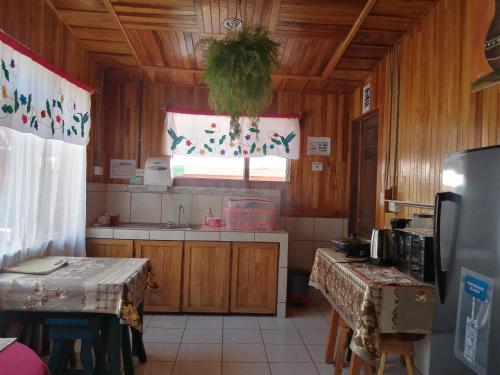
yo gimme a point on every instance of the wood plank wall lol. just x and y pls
(132, 111)
(34, 24)
(438, 111)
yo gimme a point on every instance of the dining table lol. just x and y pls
(375, 301)
(112, 288)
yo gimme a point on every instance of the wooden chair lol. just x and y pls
(396, 346)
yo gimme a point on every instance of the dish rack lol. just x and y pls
(251, 214)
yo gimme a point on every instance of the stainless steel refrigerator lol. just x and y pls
(466, 330)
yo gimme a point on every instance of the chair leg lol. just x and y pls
(332, 336)
(127, 351)
(100, 359)
(56, 356)
(383, 360)
(408, 364)
(86, 355)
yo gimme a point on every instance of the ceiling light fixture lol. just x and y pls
(232, 23)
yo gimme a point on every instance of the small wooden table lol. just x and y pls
(371, 300)
(112, 287)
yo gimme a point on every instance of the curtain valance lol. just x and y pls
(202, 133)
(38, 98)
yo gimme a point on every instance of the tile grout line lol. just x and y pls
(264, 345)
(222, 347)
(180, 344)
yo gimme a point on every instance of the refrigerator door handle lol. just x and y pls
(439, 266)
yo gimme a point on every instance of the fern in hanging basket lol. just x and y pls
(238, 73)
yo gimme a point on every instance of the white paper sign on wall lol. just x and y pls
(319, 146)
(121, 168)
(367, 98)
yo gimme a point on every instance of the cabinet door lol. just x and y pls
(166, 262)
(254, 278)
(110, 248)
(206, 276)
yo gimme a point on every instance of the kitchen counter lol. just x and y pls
(158, 232)
(153, 231)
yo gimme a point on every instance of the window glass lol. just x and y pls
(269, 168)
(205, 167)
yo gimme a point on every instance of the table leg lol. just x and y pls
(332, 335)
(114, 345)
(137, 343)
(127, 352)
(355, 365)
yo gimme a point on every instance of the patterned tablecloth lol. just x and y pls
(91, 285)
(372, 299)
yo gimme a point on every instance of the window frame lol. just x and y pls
(245, 182)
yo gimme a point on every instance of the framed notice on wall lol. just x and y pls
(319, 146)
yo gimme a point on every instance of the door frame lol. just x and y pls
(354, 157)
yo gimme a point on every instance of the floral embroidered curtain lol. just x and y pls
(202, 133)
(37, 98)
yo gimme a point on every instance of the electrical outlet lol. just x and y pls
(317, 166)
(139, 172)
(98, 171)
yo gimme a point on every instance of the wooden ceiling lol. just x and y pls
(326, 44)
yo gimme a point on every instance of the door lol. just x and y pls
(466, 325)
(254, 277)
(166, 262)
(109, 248)
(363, 183)
(207, 267)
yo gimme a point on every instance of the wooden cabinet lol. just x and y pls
(166, 262)
(254, 277)
(206, 276)
(110, 248)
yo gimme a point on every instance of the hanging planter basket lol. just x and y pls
(238, 73)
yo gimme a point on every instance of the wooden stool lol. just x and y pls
(63, 332)
(403, 348)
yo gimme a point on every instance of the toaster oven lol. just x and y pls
(413, 252)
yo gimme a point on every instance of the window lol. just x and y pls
(269, 168)
(42, 197)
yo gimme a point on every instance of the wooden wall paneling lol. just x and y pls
(325, 114)
(438, 111)
(34, 24)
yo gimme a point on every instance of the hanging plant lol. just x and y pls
(238, 73)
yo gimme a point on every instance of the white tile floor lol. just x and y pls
(241, 345)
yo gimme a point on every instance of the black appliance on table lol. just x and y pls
(413, 252)
(352, 246)
(466, 327)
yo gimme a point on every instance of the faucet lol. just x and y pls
(181, 212)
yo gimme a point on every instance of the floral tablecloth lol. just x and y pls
(372, 299)
(91, 285)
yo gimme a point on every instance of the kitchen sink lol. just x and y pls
(179, 226)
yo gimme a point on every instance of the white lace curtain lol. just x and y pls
(44, 125)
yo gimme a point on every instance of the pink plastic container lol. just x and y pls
(214, 222)
(251, 218)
